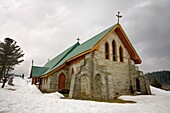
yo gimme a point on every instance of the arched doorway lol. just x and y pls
(72, 71)
(61, 81)
(85, 85)
(97, 86)
(138, 85)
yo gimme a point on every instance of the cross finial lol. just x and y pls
(78, 39)
(118, 16)
(32, 62)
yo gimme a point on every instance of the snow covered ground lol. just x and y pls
(26, 98)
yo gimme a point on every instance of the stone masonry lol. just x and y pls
(98, 77)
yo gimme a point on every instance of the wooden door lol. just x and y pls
(61, 82)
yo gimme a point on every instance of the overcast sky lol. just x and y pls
(44, 28)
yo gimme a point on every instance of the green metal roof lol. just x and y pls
(89, 43)
(85, 46)
(38, 71)
(58, 58)
(74, 51)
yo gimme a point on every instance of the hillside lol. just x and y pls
(162, 76)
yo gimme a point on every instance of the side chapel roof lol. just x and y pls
(38, 71)
(80, 49)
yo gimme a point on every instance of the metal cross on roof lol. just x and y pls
(32, 62)
(78, 39)
(118, 16)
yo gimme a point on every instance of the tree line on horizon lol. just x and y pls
(159, 78)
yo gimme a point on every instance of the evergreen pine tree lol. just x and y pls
(156, 83)
(10, 55)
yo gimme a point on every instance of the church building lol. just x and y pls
(103, 67)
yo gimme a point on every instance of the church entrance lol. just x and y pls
(138, 85)
(61, 81)
(85, 85)
(97, 85)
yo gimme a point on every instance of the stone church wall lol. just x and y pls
(114, 74)
(94, 76)
(135, 74)
(98, 77)
(45, 85)
(52, 83)
(81, 80)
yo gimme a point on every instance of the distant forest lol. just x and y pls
(162, 76)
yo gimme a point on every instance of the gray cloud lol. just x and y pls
(150, 25)
(45, 28)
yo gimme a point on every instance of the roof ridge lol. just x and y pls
(102, 31)
(73, 47)
(37, 71)
(57, 58)
(77, 50)
(40, 66)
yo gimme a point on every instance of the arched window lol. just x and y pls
(46, 79)
(107, 51)
(97, 86)
(72, 71)
(114, 50)
(121, 54)
(85, 85)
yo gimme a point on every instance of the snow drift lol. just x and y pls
(27, 98)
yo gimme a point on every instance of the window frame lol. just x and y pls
(121, 56)
(107, 51)
(114, 50)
